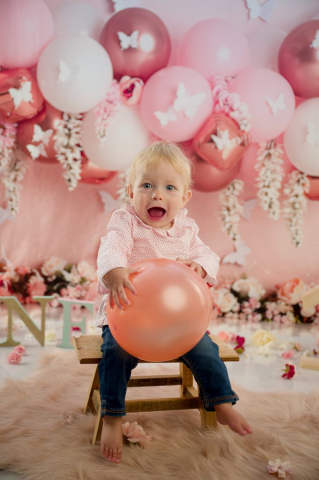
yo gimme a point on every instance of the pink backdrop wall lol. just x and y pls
(55, 222)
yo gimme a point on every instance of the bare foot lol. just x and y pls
(227, 415)
(111, 438)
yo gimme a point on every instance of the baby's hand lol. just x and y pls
(193, 265)
(116, 281)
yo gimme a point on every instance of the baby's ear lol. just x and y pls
(129, 191)
(186, 197)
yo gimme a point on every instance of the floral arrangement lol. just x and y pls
(134, 434)
(57, 278)
(246, 299)
(230, 208)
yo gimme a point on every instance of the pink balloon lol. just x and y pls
(207, 178)
(26, 28)
(270, 100)
(137, 41)
(298, 60)
(168, 316)
(213, 47)
(169, 107)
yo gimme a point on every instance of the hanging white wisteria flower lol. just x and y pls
(68, 146)
(8, 135)
(107, 110)
(296, 204)
(123, 182)
(230, 208)
(270, 176)
(11, 177)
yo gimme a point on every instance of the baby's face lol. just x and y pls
(158, 194)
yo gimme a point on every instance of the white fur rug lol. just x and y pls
(44, 434)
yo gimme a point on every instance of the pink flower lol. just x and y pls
(5, 287)
(14, 358)
(240, 344)
(297, 347)
(279, 467)
(288, 354)
(292, 291)
(36, 286)
(223, 336)
(20, 349)
(131, 90)
(135, 433)
(289, 370)
(23, 270)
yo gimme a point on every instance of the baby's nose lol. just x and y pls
(157, 194)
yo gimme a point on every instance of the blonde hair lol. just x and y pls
(163, 151)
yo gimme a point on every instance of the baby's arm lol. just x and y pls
(116, 280)
(193, 265)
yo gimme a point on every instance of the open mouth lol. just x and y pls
(156, 213)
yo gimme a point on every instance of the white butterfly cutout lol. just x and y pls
(247, 207)
(22, 94)
(127, 41)
(222, 140)
(37, 150)
(263, 11)
(40, 135)
(239, 255)
(315, 41)
(64, 72)
(5, 214)
(186, 103)
(312, 134)
(110, 203)
(119, 5)
(166, 117)
(278, 105)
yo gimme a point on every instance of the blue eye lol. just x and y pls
(170, 187)
(146, 185)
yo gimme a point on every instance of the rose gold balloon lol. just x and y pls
(313, 193)
(91, 173)
(207, 178)
(24, 100)
(137, 42)
(298, 61)
(229, 144)
(40, 140)
(169, 314)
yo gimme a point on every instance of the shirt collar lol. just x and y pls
(172, 232)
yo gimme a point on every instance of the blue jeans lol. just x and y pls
(203, 360)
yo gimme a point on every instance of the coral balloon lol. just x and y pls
(20, 97)
(270, 100)
(175, 103)
(207, 178)
(301, 137)
(93, 174)
(220, 142)
(213, 47)
(313, 193)
(137, 41)
(168, 316)
(298, 59)
(26, 28)
(74, 73)
(125, 136)
(35, 136)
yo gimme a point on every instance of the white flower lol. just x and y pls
(296, 204)
(73, 277)
(249, 286)
(53, 265)
(262, 337)
(86, 271)
(230, 208)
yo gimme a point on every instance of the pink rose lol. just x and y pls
(288, 354)
(135, 433)
(14, 358)
(23, 270)
(223, 336)
(20, 349)
(5, 287)
(36, 286)
(292, 291)
(131, 90)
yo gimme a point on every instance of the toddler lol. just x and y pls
(155, 225)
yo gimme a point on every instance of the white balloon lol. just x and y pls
(74, 73)
(126, 135)
(77, 18)
(264, 45)
(301, 138)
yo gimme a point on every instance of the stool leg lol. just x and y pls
(187, 378)
(208, 419)
(95, 385)
(97, 428)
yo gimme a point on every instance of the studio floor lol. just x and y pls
(256, 370)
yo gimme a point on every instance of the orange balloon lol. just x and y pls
(168, 316)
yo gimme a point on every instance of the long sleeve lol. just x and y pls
(115, 247)
(205, 257)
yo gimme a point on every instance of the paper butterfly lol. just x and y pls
(64, 72)
(315, 41)
(186, 103)
(22, 94)
(5, 215)
(313, 134)
(127, 41)
(247, 207)
(263, 11)
(110, 203)
(278, 105)
(119, 5)
(37, 150)
(40, 135)
(166, 117)
(239, 255)
(222, 140)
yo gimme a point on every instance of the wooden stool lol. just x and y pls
(88, 350)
